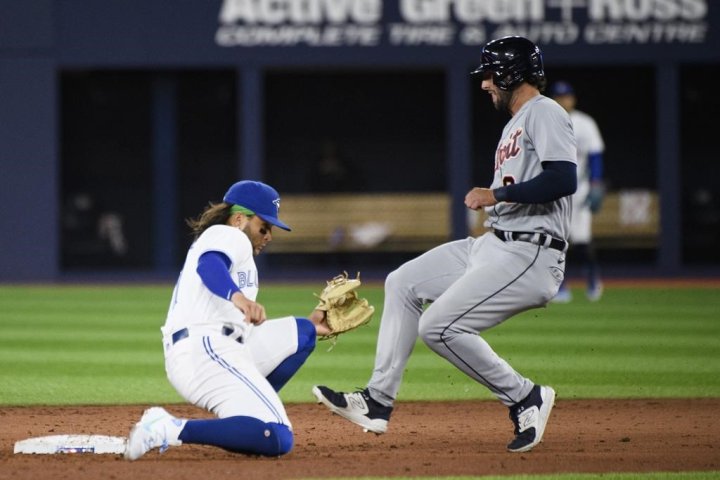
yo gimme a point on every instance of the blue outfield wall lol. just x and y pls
(41, 38)
(29, 239)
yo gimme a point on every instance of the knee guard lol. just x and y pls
(283, 437)
(307, 335)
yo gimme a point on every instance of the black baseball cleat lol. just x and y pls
(530, 417)
(358, 407)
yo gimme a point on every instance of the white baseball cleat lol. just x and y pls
(563, 295)
(595, 291)
(156, 429)
(530, 418)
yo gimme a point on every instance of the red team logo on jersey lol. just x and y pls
(508, 149)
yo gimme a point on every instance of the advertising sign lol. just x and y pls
(445, 23)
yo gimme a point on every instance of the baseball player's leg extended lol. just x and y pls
(451, 325)
(529, 404)
(240, 434)
(306, 338)
(224, 380)
(406, 290)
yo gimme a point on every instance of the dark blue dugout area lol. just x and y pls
(119, 119)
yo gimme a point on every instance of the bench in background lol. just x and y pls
(378, 222)
(409, 222)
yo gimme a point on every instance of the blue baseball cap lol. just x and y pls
(262, 199)
(561, 88)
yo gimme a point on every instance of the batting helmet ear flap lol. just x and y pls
(512, 60)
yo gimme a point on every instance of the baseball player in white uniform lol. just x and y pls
(220, 352)
(588, 198)
(454, 292)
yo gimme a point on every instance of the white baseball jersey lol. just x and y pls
(209, 368)
(530, 137)
(589, 141)
(193, 304)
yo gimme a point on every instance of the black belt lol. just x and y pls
(184, 333)
(536, 238)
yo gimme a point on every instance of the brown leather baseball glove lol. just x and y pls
(346, 311)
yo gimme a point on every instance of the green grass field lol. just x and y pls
(62, 345)
(101, 345)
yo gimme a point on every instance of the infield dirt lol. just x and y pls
(424, 439)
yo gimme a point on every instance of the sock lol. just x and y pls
(592, 267)
(240, 434)
(592, 277)
(288, 367)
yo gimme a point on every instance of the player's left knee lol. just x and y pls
(283, 440)
(307, 335)
(430, 331)
(398, 282)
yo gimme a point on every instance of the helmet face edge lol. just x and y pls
(511, 60)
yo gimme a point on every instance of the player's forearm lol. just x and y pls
(557, 180)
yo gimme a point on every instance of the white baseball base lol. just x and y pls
(53, 444)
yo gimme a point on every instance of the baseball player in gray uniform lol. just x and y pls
(454, 292)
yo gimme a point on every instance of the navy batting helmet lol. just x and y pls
(512, 60)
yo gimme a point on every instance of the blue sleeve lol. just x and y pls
(595, 161)
(558, 179)
(213, 268)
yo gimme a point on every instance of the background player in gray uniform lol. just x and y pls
(588, 198)
(474, 284)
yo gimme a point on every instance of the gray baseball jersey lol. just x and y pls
(541, 131)
(477, 283)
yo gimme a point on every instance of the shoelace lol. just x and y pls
(362, 393)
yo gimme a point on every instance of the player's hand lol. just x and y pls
(596, 196)
(319, 319)
(254, 312)
(480, 197)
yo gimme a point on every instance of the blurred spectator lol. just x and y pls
(91, 237)
(333, 173)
